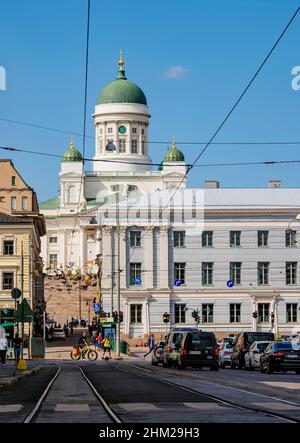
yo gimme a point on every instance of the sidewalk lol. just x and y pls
(9, 374)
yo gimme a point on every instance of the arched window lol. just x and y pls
(72, 194)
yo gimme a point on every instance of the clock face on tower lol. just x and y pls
(122, 129)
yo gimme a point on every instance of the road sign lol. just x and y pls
(103, 319)
(177, 282)
(230, 284)
(16, 293)
(96, 307)
(137, 281)
(24, 312)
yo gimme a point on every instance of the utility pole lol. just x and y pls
(118, 338)
(22, 299)
(79, 292)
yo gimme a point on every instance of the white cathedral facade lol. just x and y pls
(167, 265)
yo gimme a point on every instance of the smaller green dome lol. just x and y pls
(161, 166)
(72, 154)
(174, 154)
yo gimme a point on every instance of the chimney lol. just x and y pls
(274, 183)
(211, 184)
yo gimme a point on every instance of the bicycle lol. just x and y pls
(78, 353)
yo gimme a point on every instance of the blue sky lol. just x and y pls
(217, 46)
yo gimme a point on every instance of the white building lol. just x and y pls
(205, 238)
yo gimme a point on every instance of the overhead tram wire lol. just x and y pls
(204, 165)
(84, 121)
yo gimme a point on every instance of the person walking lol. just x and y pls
(3, 349)
(151, 344)
(17, 343)
(99, 341)
(106, 347)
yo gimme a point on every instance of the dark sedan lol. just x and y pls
(280, 356)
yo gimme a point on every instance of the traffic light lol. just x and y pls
(166, 317)
(115, 316)
(121, 316)
(255, 314)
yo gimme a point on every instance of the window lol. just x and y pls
(291, 312)
(72, 194)
(134, 146)
(8, 247)
(100, 131)
(290, 238)
(2, 199)
(143, 131)
(262, 238)
(235, 238)
(109, 130)
(179, 239)
(207, 313)
(263, 273)
(136, 313)
(179, 272)
(52, 239)
(291, 273)
(24, 203)
(13, 180)
(7, 280)
(235, 312)
(135, 272)
(207, 238)
(135, 239)
(143, 147)
(207, 273)
(53, 261)
(134, 130)
(263, 312)
(122, 145)
(180, 310)
(13, 202)
(235, 272)
(132, 188)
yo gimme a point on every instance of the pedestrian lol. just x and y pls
(99, 341)
(106, 347)
(17, 343)
(151, 344)
(3, 349)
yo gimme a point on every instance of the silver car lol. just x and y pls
(252, 357)
(225, 353)
(58, 333)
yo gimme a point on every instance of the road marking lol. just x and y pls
(139, 367)
(276, 406)
(282, 384)
(10, 408)
(137, 406)
(72, 407)
(206, 406)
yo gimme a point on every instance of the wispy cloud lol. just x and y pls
(176, 72)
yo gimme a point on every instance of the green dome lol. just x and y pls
(161, 166)
(121, 90)
(72, 154)
(174, 154)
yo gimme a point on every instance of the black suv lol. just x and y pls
(242, 343)
(198, 349)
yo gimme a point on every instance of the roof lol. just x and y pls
(174, 154)
(121, 90)
(53, 203)
(72, 154)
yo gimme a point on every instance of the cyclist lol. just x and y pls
(106, 347)
(82, 342)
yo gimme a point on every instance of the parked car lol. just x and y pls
(242, 343)
(225, 352)
(252, 357)
(198, 349)
(280, 356)
(173, 342)
(58, 333)
(157, 354)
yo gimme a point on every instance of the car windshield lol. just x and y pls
(283, 346)
(262, 346)
(177, 337)
(58, 330)
(228, 346)
(251, 337)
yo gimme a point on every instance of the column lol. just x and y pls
(148, 257)
(82, 246)
(123, 257)
(128, 144)
(62, 249)
(164, 257)
(98, 241)
(140, 139)
(106, 257)
(254, 320)
(147, 327)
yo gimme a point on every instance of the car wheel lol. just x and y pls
(269, 370)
